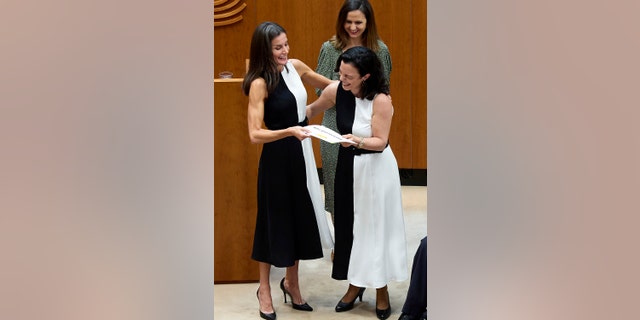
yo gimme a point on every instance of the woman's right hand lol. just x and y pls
(299, 132)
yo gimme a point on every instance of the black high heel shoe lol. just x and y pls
(301, 307)
(384, 313)
(267, 316)
(346, 306)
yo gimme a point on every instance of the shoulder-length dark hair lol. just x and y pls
(366, 61)
(261, 62)
(369, 36)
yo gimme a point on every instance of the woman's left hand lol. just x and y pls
(351, 137)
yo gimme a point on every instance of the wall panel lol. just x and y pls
(394, 28)
(419, 84)
(231, 43)
(235, 180)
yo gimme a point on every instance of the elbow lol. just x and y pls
(253, 138)
(376, 144)
(385, 144)
(311, 113)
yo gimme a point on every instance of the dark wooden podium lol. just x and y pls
(235, 183)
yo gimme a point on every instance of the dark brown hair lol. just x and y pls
(366, 61)
(261, 62)
(369, 36)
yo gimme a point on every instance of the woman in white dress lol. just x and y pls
(370, 242)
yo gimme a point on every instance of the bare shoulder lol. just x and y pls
(258, 83)
(258, 88)
(382, 104)
(382, 99)
(300, 66)
(295, 62)
(332, 88)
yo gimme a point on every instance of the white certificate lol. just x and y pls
(326, 134)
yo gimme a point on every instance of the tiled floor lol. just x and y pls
(238, 301)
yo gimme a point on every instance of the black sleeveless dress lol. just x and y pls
(286, 228)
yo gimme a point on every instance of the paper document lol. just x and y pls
(326, 134)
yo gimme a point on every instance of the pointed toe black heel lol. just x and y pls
(266, 316)
(346, 306)
(383, 314)
(302, 307)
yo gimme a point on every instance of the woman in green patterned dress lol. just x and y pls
(356, 26)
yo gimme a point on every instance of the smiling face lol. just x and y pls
(355, 24)
(280, 49)
(351, 79)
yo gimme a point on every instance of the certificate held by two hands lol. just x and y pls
(326, 134)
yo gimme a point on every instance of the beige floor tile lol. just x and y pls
(238, 301)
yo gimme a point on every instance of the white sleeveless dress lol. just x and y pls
(378, 255)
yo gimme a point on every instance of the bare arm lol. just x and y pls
(380, 125)
(308, 76)
(326, 100)
(255, 118)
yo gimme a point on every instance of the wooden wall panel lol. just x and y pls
(235, 181)
(394, 28)
(419, 84)
(231, 43)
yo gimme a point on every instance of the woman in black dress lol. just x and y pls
(291, 223)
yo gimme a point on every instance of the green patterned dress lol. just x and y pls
(329, 152)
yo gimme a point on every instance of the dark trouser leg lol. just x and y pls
(416, 302)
